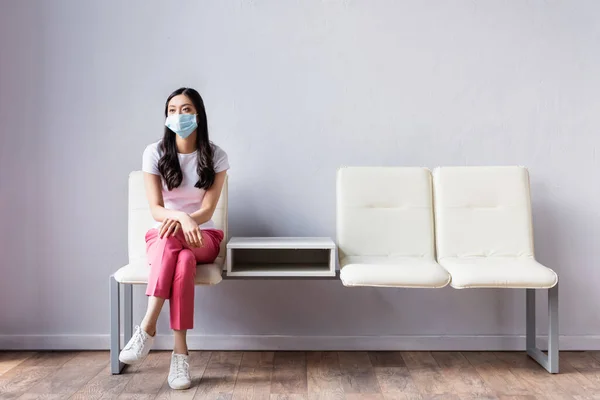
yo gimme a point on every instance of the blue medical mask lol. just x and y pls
(182, 124)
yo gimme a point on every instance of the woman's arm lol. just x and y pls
(210, 200)
(155, 200)
(172, 219)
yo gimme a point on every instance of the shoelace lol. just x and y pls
(181, 367)
(136, 341)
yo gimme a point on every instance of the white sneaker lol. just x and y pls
(137, 348)
(179, 374)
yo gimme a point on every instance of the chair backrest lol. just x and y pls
(482, 212)
(140, 219)
(384, 211)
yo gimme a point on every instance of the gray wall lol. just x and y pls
(293, 89)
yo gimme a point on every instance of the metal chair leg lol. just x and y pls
(128, 311)
(549, 361)
(553, 329)
(115, 326)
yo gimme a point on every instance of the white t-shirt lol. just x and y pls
(186, 197)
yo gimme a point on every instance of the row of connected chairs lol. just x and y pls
(468, 227)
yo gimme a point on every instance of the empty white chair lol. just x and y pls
(484, 238)
(385, 228)
(137, 271)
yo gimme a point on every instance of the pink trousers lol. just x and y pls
(173, 270)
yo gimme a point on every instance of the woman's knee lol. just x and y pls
(186, 256)
(172, 241)
(186, 263)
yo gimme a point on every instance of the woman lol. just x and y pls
(184, 174)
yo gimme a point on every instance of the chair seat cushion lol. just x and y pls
(407, 272)
(138, 271)
(499, 272)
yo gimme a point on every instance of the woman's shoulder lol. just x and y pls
(153, 149)
(151, 157)
(220, 158)
(155, 146)
(217, 150)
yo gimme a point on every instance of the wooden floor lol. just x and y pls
(303, 375)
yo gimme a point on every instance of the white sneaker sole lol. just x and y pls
(130, 362)
(180, 387)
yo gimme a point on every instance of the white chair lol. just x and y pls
(137, 271)
(385, 228)
(484, 238)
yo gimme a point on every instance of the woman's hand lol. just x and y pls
(169, 228)
(172, 220)
(192, 233)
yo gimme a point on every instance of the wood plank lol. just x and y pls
(497, 375)
(396, 381)
(591, 375)
(10, 359)
(218, 380)
(402, 396)
(200, 359)
(79, 369)
(254, 378)
(354, 359)
(357, 373)
(587, 372)
(364, 396)
(150, 375)
(426, 374)
(253, 384)
(89, 359)
(103, 386)
(217, 383)
(135, 396)
(508, 376)
(359, 380)
(289, 381)
(285, 359)
(289, 374)
(225, 359)
(580, 360)
(166, 393)
(386, 359)
(535, 378)
(255, 359)
(457, 370)
(66, 381)
(466, 396)
(327, 395)
(574, 382)
(445, 396)
(323, 373)
(18, 380)
(53, 359)
(218, 396)
(517, 397)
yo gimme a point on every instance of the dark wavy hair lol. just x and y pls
(168, 165)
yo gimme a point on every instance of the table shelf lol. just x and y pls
(281, 257)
